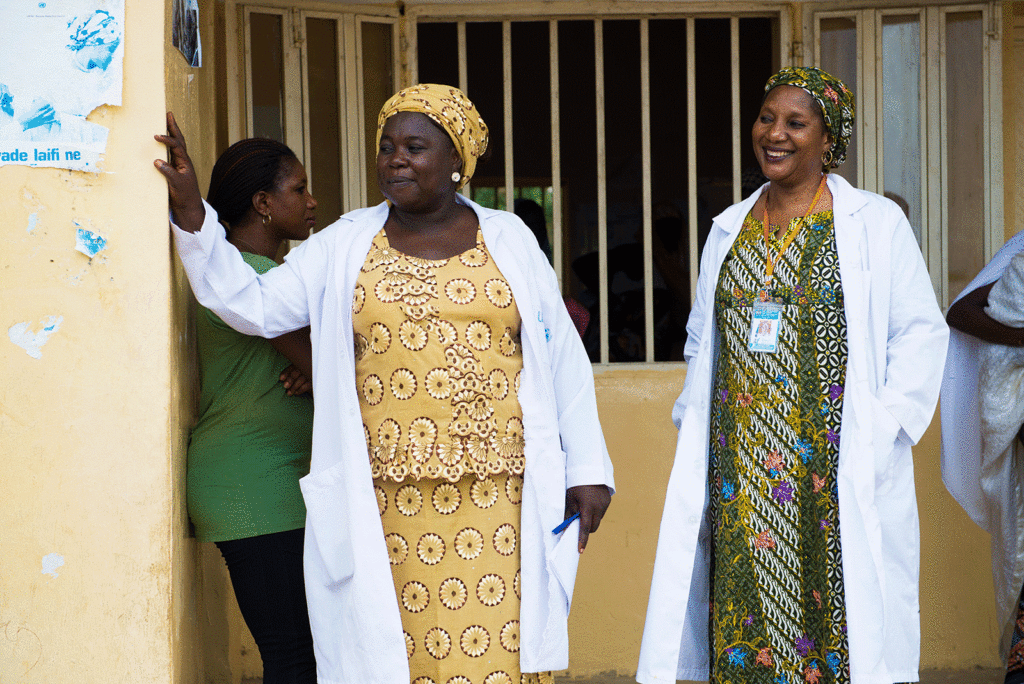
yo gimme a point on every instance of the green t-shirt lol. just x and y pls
(252, 441)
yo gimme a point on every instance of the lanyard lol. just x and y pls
(770, 267)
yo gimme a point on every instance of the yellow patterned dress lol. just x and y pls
(438, 364)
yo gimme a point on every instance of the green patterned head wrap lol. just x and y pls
(835, 99)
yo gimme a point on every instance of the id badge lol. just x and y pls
(765, 325)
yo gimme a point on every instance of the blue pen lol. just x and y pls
(565, 523)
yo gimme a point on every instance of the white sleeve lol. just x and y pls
(587, 460)
(695, 324)
(267, 305)
(1006, 300)
(917, 336)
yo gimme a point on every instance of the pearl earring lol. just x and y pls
(456, 177)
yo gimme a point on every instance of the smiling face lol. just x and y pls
(789, 136)
(415, 162)
(292, 209)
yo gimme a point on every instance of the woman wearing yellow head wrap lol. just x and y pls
(430, 551)
(448, 108)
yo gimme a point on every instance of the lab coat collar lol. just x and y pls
(844, 201)
(380, 212)
(732, 218)
(491, 228)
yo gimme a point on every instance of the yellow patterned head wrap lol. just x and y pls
(450, 109)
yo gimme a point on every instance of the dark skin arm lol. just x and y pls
(297, 348)
(184, 198)
(968, 315)
(590, 501)
(186, 206)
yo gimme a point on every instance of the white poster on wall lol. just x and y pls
(59, 60)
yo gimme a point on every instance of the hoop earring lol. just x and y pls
(456, 177)
(827, 158)
(267, 219)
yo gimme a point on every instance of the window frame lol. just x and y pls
(598, 12)
(806, 16)
(935, 228)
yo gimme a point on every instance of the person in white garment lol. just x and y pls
(789, 545)
(982, 412)
(456, 421)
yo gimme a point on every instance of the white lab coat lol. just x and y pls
(992, 491)
(353, 609)
(897, 342)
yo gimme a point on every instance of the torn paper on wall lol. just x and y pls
(62, 59)
(185, 31)
(89, 243)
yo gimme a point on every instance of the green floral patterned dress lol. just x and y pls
(778, 613)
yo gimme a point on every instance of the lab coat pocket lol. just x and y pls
(565, 559)
(885, 431)
(327, 515)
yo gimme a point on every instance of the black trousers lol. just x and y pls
(266, 573)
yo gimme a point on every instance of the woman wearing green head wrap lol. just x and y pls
(789, 544)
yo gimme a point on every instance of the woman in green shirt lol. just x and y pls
(252, 441)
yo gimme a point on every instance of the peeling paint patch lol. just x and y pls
(89, 243)
(51, 562)
(34, 207)
(75, 279)
(32, 342)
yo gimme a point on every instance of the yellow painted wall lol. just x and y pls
(93, 433)
(88, 431)
(211, 640)
(610, 597)
(958, 621)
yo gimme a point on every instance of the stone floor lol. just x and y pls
(974, 676)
